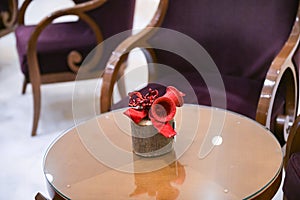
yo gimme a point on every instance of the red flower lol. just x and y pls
(163, 109)
(175, 95)
(160, 110)
(164, 128)
(136, 114)
(161, 113)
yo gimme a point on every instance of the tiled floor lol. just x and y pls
(21, 156)
(21, 173)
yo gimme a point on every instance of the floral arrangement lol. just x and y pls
(159, 109)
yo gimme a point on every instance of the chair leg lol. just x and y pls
(36, 90)
(39, 196)
(24, 86)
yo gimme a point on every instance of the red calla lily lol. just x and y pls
(163, 109)
(160, 110)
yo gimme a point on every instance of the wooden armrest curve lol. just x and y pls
(22, 11)
(120, 54)
(74, 10)
(9, 17)
(78, 10)
(280, 66)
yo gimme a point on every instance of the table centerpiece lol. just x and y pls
(152, 120)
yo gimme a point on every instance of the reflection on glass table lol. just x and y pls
(217, 155)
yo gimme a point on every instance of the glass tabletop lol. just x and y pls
(217, 155)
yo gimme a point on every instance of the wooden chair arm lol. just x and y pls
(9, 17)
(39, 196)
(119, 55)
(281, 71)
(75, 10)
(293, 141)
(22, 11)
(78, 10)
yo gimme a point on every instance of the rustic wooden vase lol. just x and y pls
(147, 142)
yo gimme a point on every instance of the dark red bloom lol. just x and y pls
(160, 110)
(142, 102)
(163, 109)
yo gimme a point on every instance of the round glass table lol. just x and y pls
(217, 154)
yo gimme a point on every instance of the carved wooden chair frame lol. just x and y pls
(9, 18)
(35, 76)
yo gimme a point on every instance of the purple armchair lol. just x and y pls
(8, 16)
(291, 182)
(253, 44)
(53, 52)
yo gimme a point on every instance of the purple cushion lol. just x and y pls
(58, 40)
(242, 37)
(291, 185)
(114, 16)
(54, 44)
(4, 5)
(239, 99)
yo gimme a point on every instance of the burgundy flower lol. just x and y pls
(161, 113)
(160, 110)
(142, 102)
(163, 109)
